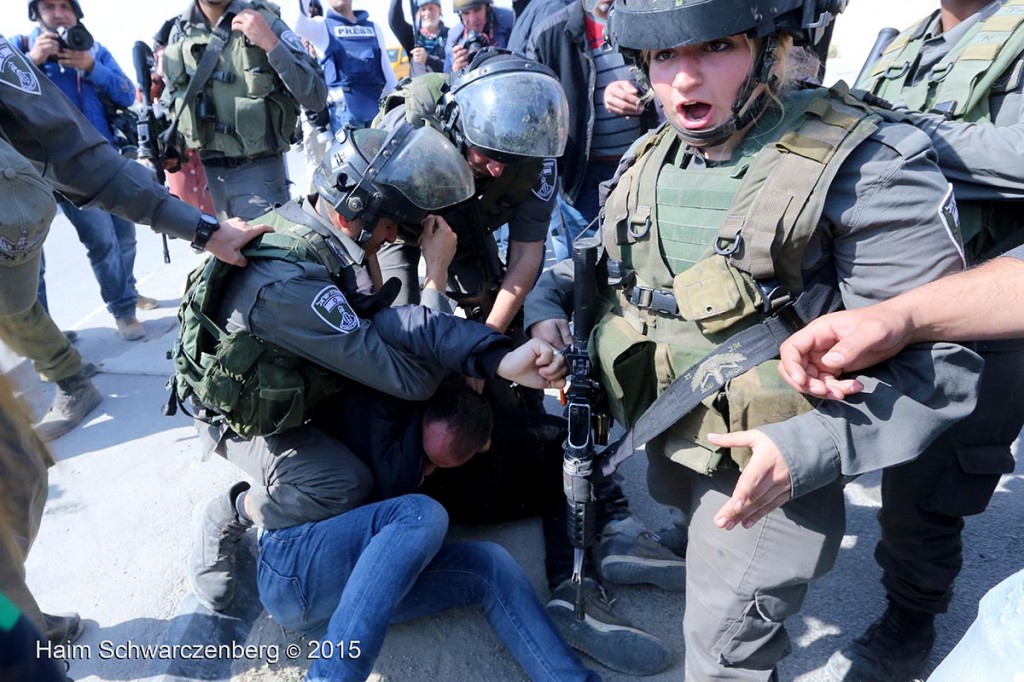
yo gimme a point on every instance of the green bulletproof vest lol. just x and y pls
(253, 386)
(244, 109)
(958, 87)
(663, 223)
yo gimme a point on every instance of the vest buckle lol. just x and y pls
(732, 247)
(657, 300)
(774, 295)
(894, 72)
(940, 72)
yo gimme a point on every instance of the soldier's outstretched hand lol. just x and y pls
(534, 364)
(813, 359)
(226, 244)
(764, 484)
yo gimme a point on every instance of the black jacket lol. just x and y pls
(560, 42)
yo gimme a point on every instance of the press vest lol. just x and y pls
(958, 87)
(704, 254)
(253, 386)
(243, 109)
(353, 63)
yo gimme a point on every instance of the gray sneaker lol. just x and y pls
(216, 531)
(604, 635)
(75, 398)
(629, 554)
(893, 649)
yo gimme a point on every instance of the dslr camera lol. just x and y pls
(474, 41)
(75, 38)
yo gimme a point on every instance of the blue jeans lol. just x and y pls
(346, 578)
(110, 244)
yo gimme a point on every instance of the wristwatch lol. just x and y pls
(204, 230)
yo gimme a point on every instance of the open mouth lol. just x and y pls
(696, 114)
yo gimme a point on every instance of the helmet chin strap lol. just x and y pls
(752, 105)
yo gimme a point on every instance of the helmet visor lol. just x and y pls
(428, 171)
(515, 112)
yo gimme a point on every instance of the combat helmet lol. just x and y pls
(509, 107)
(638, 25)
(33, 9)
(463, 5)
(402, 175)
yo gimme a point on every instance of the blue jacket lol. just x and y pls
(82, 89)
(504, 18)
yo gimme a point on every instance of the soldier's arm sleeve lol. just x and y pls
(888, 235)
(109, 79)
(552, 296)
(47, 129)
(976, 157)
(298, 70)
(403, 352)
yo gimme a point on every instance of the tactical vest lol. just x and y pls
(958, 87)
(703, 254)
(253, 386)
(352, 63)
(244, 109)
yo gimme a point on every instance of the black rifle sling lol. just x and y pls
(755, 345)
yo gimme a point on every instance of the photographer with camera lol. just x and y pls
(481, 25)
(86, 72)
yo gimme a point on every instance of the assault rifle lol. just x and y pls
(588, 425)
(148, 125)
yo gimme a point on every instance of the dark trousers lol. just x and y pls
(924, 501)
(519, 477)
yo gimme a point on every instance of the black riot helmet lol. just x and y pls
(402, 176)
(638, 25)
(33, 10)
(509, 107)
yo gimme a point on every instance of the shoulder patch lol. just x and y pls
(331, 306)
(293, 41)
(949, 214)
(15, 71)
(545, 187)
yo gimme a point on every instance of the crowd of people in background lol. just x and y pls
(738, 203)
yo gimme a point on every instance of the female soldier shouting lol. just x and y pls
(752, 190)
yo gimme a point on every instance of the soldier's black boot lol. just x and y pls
(892, 649)
(216, 531)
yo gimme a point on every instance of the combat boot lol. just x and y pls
(892, 649)
(63, 628)
(216, 531)
(603, 634)
(629, 554)
(75, 398)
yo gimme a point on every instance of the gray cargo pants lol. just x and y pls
(300, 475)
(246, 188)
(742, 584)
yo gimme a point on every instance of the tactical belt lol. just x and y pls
(756, 344)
